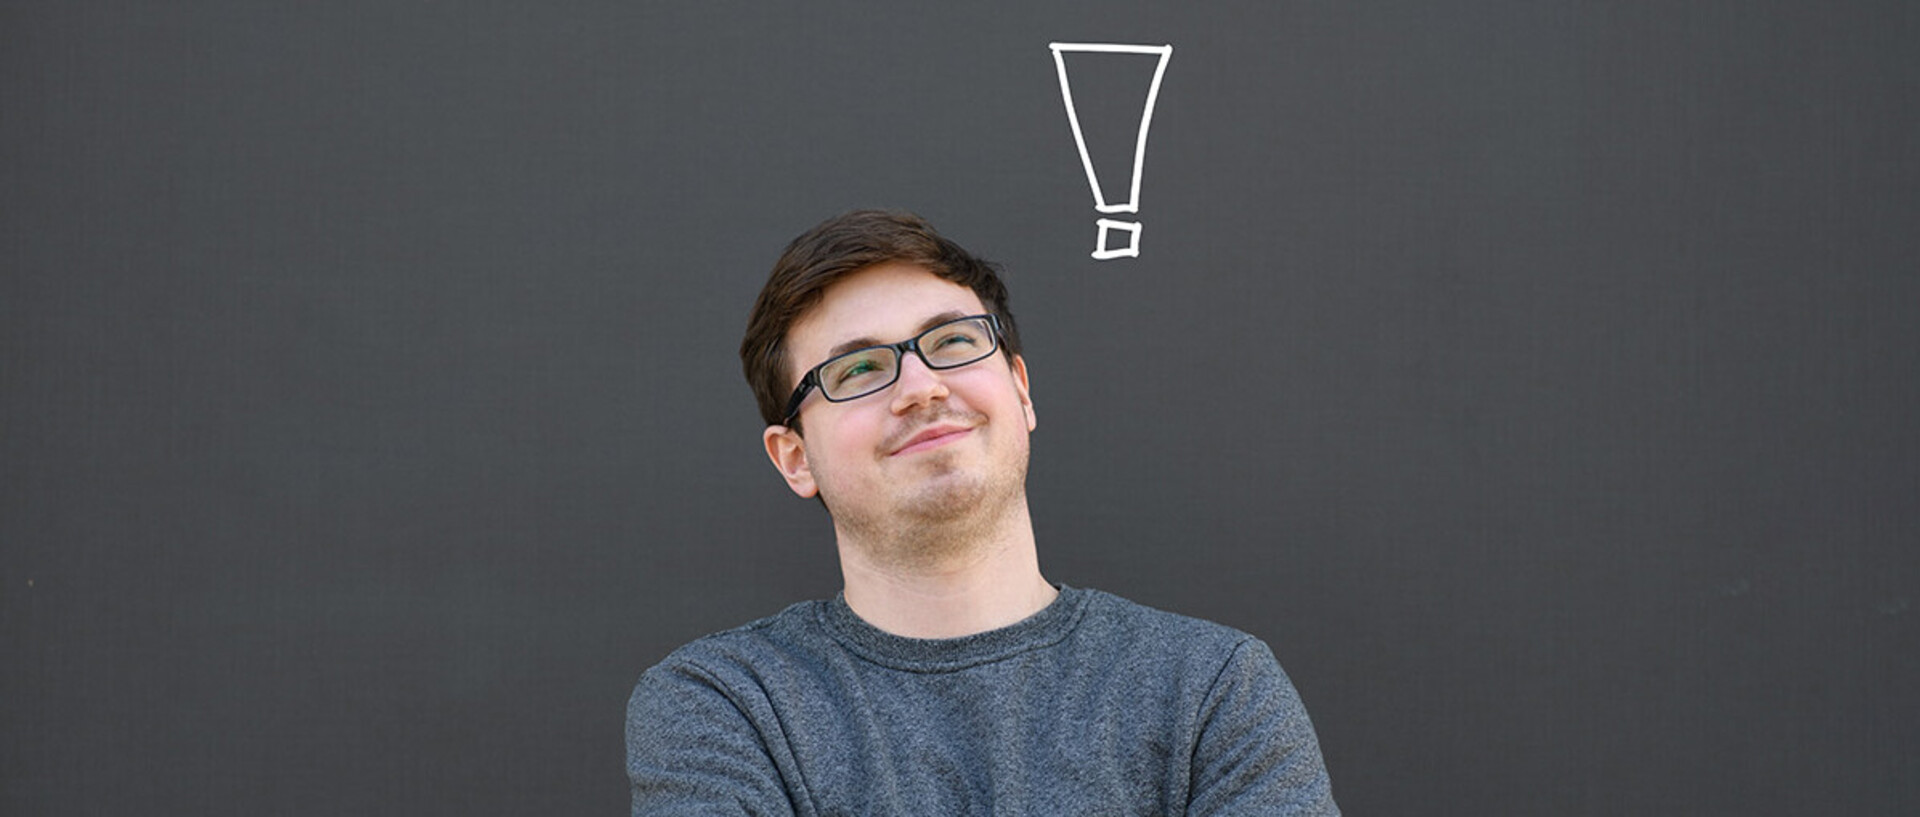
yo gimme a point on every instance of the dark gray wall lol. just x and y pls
(1539, 378)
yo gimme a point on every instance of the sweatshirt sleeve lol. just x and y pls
(691, 749)
(1256, 752)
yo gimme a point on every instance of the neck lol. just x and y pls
(971, 585)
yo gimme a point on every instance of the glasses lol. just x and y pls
(862, 372)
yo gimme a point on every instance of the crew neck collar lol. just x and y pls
(1042, 629)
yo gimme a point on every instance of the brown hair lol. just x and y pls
(838, 247)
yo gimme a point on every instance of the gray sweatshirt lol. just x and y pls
(1093, 706)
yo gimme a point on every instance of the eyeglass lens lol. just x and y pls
(946, 346)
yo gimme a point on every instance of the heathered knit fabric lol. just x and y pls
(1093, 706)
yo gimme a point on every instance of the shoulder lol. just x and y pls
(1111, 617)
(1251, 743)
(1160, 648)
(702, 732)
(780, 637)
(728, 677)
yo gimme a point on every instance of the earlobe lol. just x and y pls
(789, 456)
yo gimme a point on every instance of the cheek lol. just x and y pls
(846, 434)
(1003, 394)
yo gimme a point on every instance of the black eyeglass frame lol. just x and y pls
(811, 380)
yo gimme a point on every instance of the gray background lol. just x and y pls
(1539, 378)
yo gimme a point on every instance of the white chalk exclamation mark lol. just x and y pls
(1109, 227)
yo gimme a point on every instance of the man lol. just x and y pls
(949, 677)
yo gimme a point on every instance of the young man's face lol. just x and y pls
(934, 444)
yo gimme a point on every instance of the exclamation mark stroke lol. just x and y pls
(1108, 227)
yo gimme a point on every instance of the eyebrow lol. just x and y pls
(866, 341)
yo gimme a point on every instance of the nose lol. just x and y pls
(917, 385)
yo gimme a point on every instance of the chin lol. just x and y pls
(950, 496)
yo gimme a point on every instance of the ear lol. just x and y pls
(1019, 365)
(789, 455)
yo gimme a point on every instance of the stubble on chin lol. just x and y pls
(949, 516)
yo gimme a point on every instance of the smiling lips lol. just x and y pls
(931, 437)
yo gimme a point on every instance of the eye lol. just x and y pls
(855, 373)
(957, 336)
(855, 369)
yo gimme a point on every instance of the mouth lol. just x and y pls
(930, 438)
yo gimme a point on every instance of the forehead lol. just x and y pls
(881, 304)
